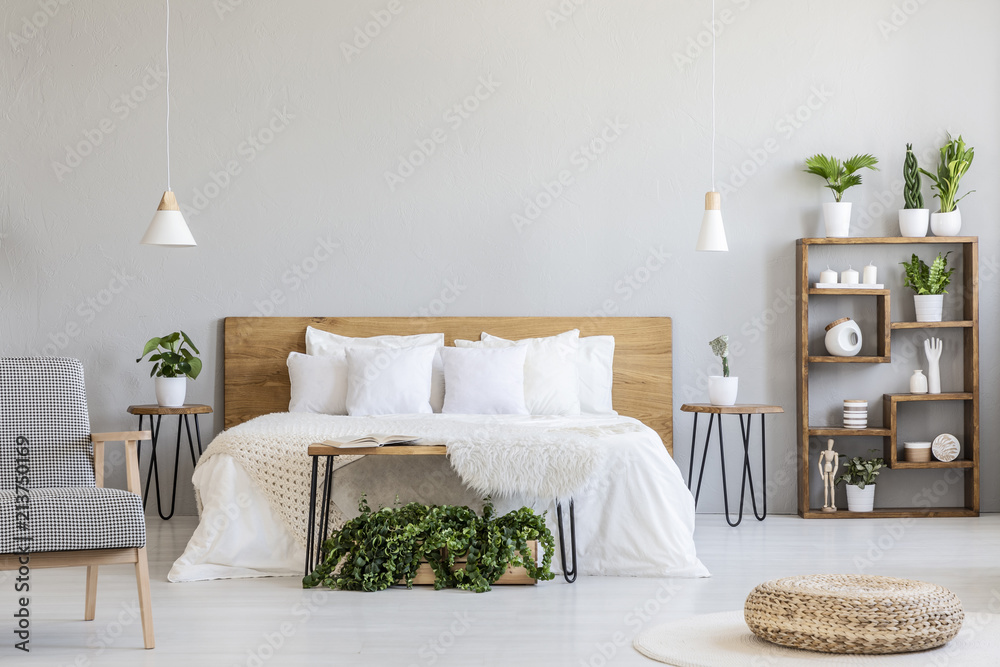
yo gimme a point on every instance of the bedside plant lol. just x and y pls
(956, 159)
(722, 389)
(839, 177)
(859, 475)
(913, 217)
(174, 363)
(928, 283)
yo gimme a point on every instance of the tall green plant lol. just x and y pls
(955, 161)
(840, 175)
(172, 359)
(924, 279)
(911, 178)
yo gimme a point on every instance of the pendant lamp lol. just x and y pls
(712, 236)
(168, 227)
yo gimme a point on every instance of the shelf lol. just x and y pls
(831, 431)
(889, 240)
(827, 359)
(835, 291)
(951, 396)
(958, 324)
(931, 465)
(892, 513)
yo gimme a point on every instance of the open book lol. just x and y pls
(374, 440)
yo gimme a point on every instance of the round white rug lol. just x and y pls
(723, 640)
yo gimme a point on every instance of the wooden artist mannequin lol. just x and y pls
(829, 463)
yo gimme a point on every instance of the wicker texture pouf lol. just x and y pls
(844, 613)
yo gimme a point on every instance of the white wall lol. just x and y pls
(794, 78)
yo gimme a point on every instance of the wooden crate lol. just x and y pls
(514, 575)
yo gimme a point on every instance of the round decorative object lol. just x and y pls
(946, 447)
(851, 613)
(843, 337)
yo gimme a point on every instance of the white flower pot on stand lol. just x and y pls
(929, 307)
(860, 500)
(170, 392)
(913, 222)
(837, 218)
(722, 390)
(946, 224)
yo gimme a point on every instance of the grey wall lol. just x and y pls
(307, 223)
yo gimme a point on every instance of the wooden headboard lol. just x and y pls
(256, 348)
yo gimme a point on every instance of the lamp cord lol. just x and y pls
(714, 36)
(167, 49)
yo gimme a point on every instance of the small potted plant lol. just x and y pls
(174, 364)
(859, 475)
(929, 283)
(839, 177)
(913, 217)
(722, 389)
(956, 159)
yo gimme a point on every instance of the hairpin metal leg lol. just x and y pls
(704, 456)
(311, 525)
(324, 516)
(197, 432)
(694, 438)
(568, 574)
(725, 492)
(187, 427)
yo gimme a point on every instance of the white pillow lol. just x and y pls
(319, 384)
(389, 380)
(551, 378)
(595, 364)
(484, 381)
(324, 343)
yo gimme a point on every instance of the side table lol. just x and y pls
(718, 410)
(182, 413)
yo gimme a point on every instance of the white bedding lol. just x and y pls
(635, 517)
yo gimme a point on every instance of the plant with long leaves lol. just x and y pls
(924, 279)
(911, 181)
(955, 161)
(840, 175)
(172, 359)
(861, 472)
(720, 348)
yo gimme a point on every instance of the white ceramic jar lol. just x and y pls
(843, 337)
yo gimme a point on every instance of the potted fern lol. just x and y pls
(859, 475)
(913, 217)
(929, 283)
(956, 159)
(173, 365)
(722, 389)
(839, 177)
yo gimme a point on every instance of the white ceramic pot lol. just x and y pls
(843, 338)
(917, 452)
(860, 500)
(170, 392)
(946, 224)
(918, 382)
(928, 306)
(837, 218)
(722, 390)
(913, 222)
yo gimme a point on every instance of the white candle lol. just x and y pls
(828, 276)
(849, 277)
(871, 275)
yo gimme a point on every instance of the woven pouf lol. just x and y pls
(845, 613)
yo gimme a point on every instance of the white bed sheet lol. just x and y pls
(635, 518)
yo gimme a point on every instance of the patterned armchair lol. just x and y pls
(54, 507)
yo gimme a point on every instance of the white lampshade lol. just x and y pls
(712, 236)
(167, 227)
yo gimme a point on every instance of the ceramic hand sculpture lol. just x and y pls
(829, 462)
(933, 348)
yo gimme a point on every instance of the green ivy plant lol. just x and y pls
(380, 548)
(924, 279)
(861, 472)
(840, 175)
(956, 159)
(172, 358)
(720, 348)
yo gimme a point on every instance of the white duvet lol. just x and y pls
(634, 517)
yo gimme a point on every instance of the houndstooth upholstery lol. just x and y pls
(74, 518)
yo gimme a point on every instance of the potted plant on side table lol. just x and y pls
(722, 389)
(956, 159)
(859, 475)
(174, 364)
(839, 177)
(929, 283)
(913, 217)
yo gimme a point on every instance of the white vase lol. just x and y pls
(928, 306)
(837, 218)
(946, 224)
(170, 392)
(843, 337)
(913, 222)
(918, 382)
(722, 390)
(860, 500)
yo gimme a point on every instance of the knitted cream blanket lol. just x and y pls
(492, 455)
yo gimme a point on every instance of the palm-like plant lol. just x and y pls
(955, 162)
(840, 175)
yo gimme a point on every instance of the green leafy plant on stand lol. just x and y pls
(861, 472)
(912, 196)
(377, 549)
(172, 359)
(955, 161)
(720, 348)
(840, 175)
(924, 279)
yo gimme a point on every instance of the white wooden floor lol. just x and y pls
(259, 622)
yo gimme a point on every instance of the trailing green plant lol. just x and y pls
(840, 175)
(172, 358)
(378, 549)
(911, 179)
(924, 279)
(954, 164)
(720, 348)
(861, 472)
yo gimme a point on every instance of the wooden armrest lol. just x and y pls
(120, 436)
(131, 440)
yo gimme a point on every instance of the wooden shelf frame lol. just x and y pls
(969, 396)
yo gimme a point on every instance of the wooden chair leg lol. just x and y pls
(145, 604)
(91, 606)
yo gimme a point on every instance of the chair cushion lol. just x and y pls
(73, 518)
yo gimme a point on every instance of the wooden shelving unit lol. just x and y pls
(969, 324)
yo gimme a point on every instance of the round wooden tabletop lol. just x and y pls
(738, 409)
(153, 409)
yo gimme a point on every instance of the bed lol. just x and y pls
(636, 518)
